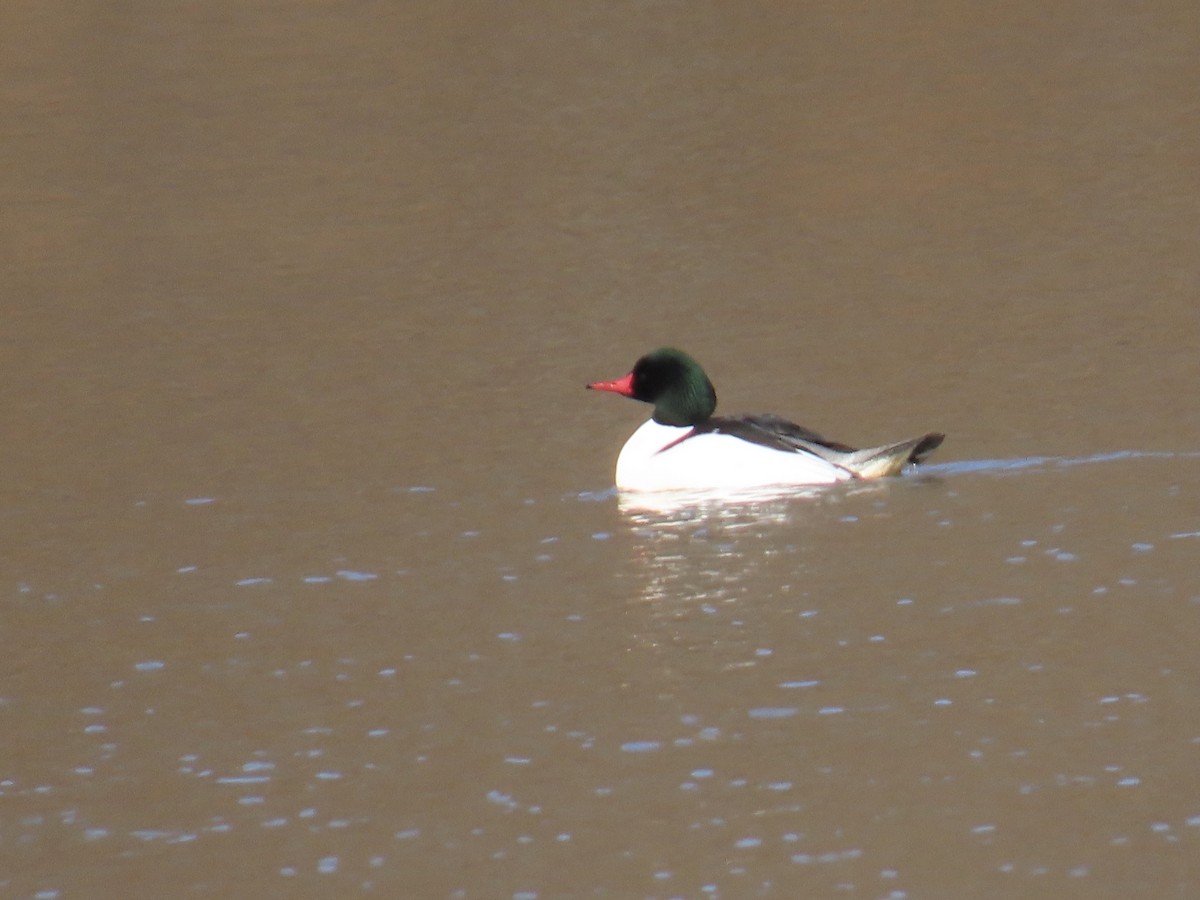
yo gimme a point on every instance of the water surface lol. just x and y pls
(314, 580)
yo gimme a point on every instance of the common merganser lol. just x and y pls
(683, 446)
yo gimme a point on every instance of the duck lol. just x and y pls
(685, 446)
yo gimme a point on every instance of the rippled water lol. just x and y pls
(313, 579)
(875, 691)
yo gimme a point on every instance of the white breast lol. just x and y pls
(712, 461)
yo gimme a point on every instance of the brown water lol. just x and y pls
(313, 583)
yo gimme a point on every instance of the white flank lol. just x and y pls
(712, 461)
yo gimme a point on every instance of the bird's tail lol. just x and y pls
(890, 459)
